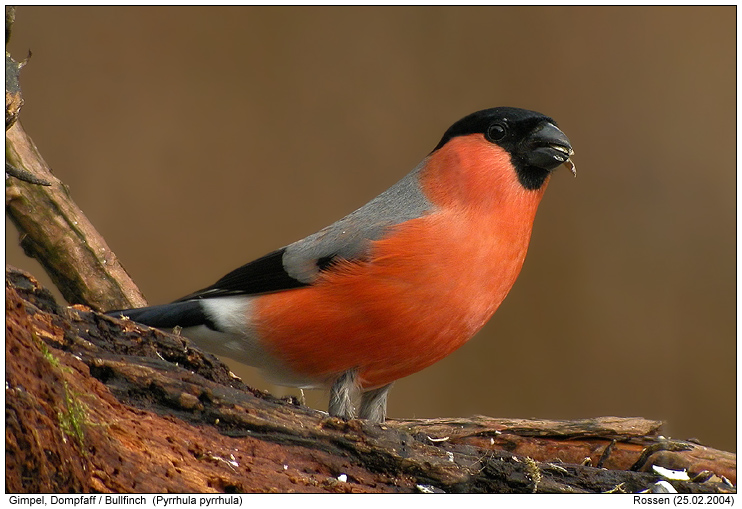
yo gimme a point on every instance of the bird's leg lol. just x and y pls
(373, 404)
(342, 393)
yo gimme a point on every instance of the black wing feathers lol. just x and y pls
(264, 275)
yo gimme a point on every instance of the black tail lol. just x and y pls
(166, 316)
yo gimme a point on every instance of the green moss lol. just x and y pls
(48, 355)
(74, 419)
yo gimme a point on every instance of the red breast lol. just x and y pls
(428, 286)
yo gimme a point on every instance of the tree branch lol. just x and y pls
(52, 228)
(57, 233)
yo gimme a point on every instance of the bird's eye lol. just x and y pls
(497, 131)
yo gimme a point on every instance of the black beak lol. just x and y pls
(547, 148)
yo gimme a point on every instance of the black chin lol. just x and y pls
(531, 177)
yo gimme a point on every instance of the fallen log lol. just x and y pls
(99, 404)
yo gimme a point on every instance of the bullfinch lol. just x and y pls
(394, 286)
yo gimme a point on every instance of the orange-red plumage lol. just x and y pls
(397, 284)
(427, 287)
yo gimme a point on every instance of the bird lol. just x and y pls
(394, 286)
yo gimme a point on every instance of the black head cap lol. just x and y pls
(535, 144)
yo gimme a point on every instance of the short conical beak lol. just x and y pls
(547, 147)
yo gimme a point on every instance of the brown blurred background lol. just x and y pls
(197, 139)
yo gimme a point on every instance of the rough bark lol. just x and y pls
(98, 404)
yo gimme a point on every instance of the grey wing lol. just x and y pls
(299, 264)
